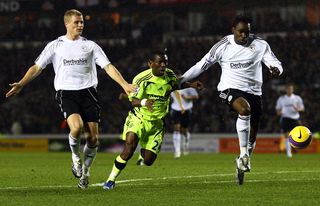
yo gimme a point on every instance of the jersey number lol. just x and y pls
(156, 145)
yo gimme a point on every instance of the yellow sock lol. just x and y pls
(118, 166)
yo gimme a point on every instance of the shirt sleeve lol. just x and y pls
(209, 59)
(269, 59)
(100, 58)
(46, 55)
(278, 104)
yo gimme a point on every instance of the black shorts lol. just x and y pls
(287, 124)
(229, 95)
(84, 102)
(183, 119)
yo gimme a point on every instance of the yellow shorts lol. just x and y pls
(149, 132)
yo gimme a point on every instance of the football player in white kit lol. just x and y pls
(288, 107)
(181, 115)
(240, 56)
(74, 60)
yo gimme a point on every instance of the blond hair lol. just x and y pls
(68, 14)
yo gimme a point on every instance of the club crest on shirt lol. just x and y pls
(84, 48)
(252, 47)
(136, 91)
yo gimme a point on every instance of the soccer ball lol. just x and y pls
(300, 137)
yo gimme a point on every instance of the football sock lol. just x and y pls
(187, 141)
(140, 156)
(243, 130)
(177, 142)
(288, 148)
(89, 156)
(75, 148)
(118, 166)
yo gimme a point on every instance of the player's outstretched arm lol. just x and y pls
(16, 87)
(116, 76)
(196, 84)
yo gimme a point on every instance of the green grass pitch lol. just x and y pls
(197, 179)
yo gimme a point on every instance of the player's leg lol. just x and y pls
(176, 138)
(75, 124)
(120, 162)
(185, 134)
(90, 113)
(256, 110)
(71, 112)
(288, 146)
(289, 124)
(149, 157)
(89, 152)
(140, 160)
(151, 145)
(242, 107)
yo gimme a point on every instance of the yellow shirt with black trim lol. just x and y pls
(154, 87)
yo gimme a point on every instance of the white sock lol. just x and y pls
(288, 148)
(75, 148)
(177, 142)
(89, 155)
(243, 130)
(187, 140)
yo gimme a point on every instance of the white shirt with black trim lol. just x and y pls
(286, 104)
(186, 104)
(74, 62)
(241, 64)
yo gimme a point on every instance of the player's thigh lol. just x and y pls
(68, 102)
(236, 100)
(255, 102)
(132, 124)
(186, 119)
(175, 116)
(90, 106)
(152, 138)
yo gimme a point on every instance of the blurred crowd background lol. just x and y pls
(128, 30)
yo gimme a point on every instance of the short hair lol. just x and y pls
(72, 12)
(241, 18)
(154, 55)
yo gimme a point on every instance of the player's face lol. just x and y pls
(75, 25)
(158, 65)
(241, 33)
(289, 89)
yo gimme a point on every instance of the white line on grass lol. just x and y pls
(143, 180)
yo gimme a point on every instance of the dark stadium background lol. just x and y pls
(127, 30)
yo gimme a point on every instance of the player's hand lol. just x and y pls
(197, 85)
(15, 89)
(149, 104)
(275, 72)
(128, 88)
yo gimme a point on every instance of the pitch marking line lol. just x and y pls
(143, 180)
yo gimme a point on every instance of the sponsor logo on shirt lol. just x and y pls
(70, 62)
(240, 65)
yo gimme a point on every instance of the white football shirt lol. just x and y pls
(241, 64)
(187, 104)
(74, 62)
(287, 105)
